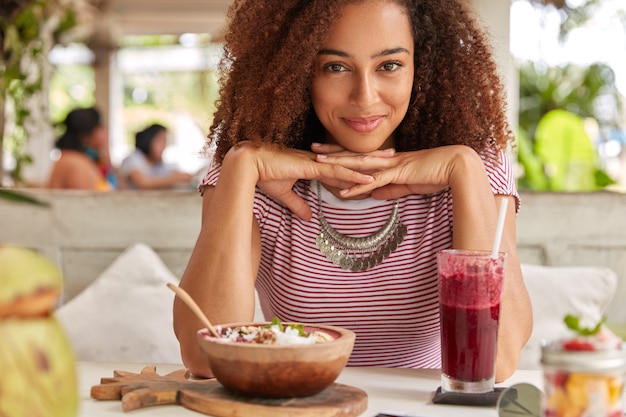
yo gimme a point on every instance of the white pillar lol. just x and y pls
(496, 17)
(39, 131)
(108, 94)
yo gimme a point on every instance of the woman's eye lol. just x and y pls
(390, 66)
(334, 67)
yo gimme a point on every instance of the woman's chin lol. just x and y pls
(363, 148)
(363, 145)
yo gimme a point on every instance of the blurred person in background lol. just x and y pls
(144, 167)
(84, 162)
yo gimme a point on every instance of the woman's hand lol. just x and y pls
(278, 169)
(400, 174)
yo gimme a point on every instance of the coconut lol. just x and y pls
(38, 368)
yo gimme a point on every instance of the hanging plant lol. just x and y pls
(28, 31)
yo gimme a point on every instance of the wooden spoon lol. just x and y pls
(184, 295)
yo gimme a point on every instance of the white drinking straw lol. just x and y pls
(499, 227)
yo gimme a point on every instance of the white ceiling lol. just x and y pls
(142, 17)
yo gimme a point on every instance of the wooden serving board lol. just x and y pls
(208, 396)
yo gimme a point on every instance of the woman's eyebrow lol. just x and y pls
(391, 51)
(343, 54)
(333, 52)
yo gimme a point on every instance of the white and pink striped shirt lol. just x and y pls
(393, 308)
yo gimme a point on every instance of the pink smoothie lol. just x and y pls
(468, 355)
(470, 309)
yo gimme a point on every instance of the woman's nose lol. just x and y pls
(364, 91)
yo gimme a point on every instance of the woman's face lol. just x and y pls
(97, 138)
(157, 146)
(364, 76)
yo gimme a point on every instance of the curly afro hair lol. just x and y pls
(268, 65)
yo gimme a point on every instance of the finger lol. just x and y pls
(361, 163)
(393, 191)
(325, 148)
(335, 174)
(297, 205)
(390, 192)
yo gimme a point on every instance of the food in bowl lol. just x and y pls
(274, 333)
(277, 370)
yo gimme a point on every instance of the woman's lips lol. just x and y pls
(364, 124)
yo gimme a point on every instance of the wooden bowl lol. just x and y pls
(278, 371)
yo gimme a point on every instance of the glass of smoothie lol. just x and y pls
(470, 285)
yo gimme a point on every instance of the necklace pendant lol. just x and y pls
(359, 254)
(369, 263)
(357, 265)
(346, 262)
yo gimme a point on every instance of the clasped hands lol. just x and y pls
(381, 174)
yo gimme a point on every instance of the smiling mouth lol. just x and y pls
(364, 125)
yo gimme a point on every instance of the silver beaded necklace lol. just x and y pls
(359, 253)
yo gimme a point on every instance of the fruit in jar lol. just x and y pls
(37, 365)
(584, 374)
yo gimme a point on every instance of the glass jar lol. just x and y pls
(583, 383)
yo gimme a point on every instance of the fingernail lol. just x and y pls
(315, 144)
(343, 192)
(321, 156)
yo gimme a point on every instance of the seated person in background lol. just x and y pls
(144, 167)
(84, 162)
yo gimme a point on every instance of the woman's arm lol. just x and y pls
(475, 212)
(516, 320)
(143, 181)
(221, 271)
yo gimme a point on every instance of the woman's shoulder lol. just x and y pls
(74, 158)
(71, 162)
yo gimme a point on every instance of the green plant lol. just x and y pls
(570, 87)
(576, 89)
(585, 91)
(28, 30)
(19, 197)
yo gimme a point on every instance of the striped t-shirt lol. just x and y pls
(393, 307)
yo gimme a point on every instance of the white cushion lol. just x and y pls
(557, 291)
(125, 315)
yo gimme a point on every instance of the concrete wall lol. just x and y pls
(84, 231)
(576, 229)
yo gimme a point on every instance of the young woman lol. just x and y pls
(355, 139)
(144, 167)
(84, 162)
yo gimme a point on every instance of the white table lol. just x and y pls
(407, 391)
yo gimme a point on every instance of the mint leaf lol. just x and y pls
(300, 328)
(276, 322)
(573, 323)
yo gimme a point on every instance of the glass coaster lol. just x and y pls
(485, 399)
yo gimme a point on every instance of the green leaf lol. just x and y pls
(276, 322)
(21, 198)
(573, 323)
